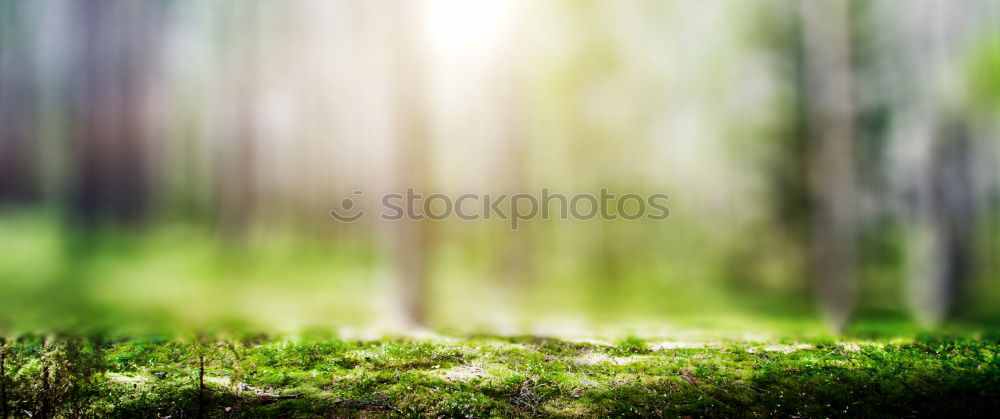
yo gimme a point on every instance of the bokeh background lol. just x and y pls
(171, 164)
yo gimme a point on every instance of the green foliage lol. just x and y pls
(983, 67)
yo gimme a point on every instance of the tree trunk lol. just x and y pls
(18, 103)
(44, 411)
(936, 149)
(115, 47)
(413, 237)
(826, 33)
(944, 217)
(3, 378)
(238, 191)
(201, 382)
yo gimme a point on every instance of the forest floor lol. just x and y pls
(488, 376)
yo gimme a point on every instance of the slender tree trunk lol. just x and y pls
(826, 32)
(238, 164)
(944, 217)
(116, 43)
(201, 383)
(3, 378)
(413, 238)
(44, 412)
(515, 257)
(18, 103)
(937, 166)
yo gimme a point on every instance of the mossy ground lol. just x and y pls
(486, 376)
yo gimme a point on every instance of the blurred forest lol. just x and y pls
(172, 164)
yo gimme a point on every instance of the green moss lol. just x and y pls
(487, 376)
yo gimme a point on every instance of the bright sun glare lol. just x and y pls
(460, 26)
